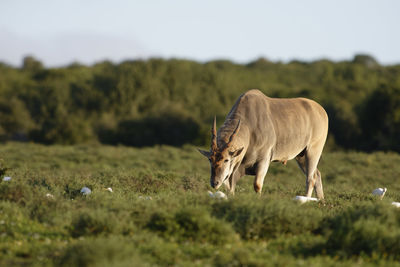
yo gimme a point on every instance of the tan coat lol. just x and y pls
(259, 130)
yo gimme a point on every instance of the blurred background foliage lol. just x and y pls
(158, 101)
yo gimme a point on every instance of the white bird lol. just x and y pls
(396, 204)
(379, 192)
(303, 199)
(6, 178)
(218, 194)
(109, 189)
(145, 198)
(86, 191)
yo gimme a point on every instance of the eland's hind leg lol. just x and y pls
(318, 184)
(301, 161)
(313, 154)
(306, 160)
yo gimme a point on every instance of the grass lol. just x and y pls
(159, 213)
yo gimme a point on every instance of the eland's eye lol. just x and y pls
(226, 160)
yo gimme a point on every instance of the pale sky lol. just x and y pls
(87, 31)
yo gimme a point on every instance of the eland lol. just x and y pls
(259, 130)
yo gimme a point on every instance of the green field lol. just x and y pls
(159, 213)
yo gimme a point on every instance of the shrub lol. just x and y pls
(191, 224)
(255, 219)
(88, 223)
(14, 192)
(100, 252)
(370, 229)
(380, 119)
(167, 129)
(156, 101)
(15, 120)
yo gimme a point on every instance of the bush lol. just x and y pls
(255, 219)
(370, 229)
(156, 101)
(15, 120)
(15, 192)
(100, 252)
(173, 130)
(191, 224)
(88, 223)
(380, 119)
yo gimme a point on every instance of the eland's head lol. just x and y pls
(223, 158)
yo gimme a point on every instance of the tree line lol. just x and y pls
(159, 101)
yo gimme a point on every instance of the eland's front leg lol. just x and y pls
(232, 181)
(262, 169)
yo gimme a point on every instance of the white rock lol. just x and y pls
(303, 199)
(49, 195)
(86, 191)
(396, 204)
(6, 178)
(379, 192)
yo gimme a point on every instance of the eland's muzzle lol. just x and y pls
(215, 184)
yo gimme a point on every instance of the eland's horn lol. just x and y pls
(214, 135)
(234, 132)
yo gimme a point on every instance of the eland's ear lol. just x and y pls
(207, 154)
(236, 152)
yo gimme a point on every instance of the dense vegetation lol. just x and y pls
(158, 101)
(159, 213)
